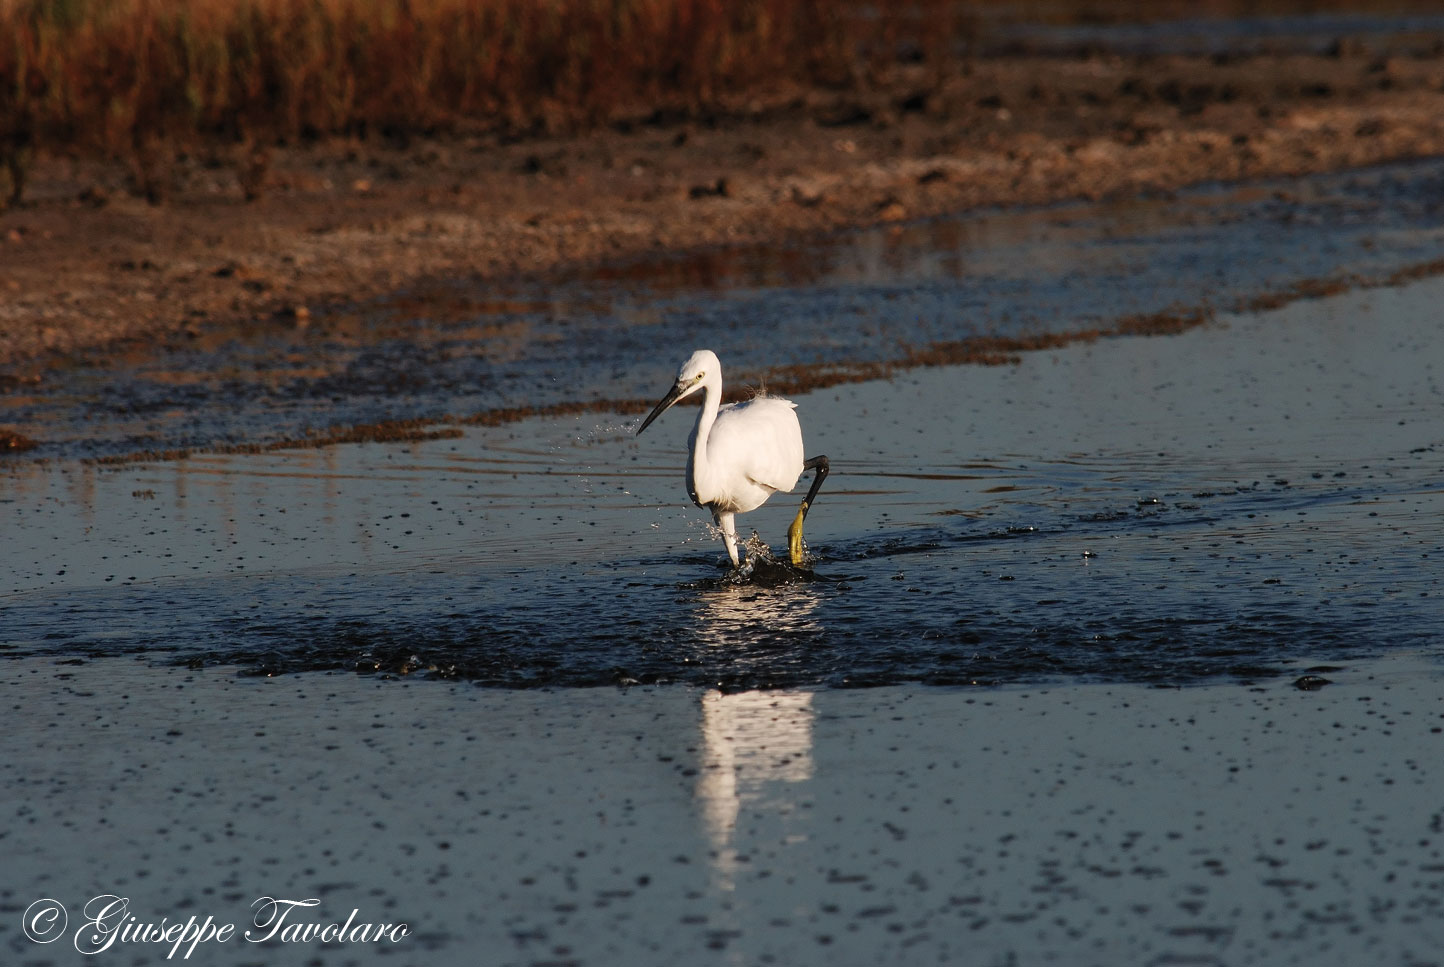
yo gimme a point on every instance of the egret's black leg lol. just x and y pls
(820, 465)
(794, 533)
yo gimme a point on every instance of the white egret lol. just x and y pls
(741, 453)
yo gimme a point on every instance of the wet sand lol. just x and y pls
(1082, 824)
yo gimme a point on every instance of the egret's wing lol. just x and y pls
(760, 439)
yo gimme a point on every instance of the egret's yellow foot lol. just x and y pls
(794, 537)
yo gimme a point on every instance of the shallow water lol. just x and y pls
(1230, 501)
(1083, 825)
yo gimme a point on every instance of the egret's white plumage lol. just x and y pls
(739, 453)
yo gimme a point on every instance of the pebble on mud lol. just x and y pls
(891, 210)
(300, 315)
(13, 442)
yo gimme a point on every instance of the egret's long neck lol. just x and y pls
(706, 416)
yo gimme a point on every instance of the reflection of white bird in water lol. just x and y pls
(742, 452)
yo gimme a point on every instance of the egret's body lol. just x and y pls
(740, 453)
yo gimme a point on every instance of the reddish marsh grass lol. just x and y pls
(140, 79)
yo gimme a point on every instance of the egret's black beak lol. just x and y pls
(673, 396)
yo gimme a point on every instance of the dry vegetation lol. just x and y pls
(141, 80)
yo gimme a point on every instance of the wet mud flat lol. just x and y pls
(1247, 494)
(971, 288)
(1083, 824)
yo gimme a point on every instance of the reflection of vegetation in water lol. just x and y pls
(142, 78)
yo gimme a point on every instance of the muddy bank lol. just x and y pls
(978, 288)
(84, 266)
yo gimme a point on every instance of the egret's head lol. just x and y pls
(699, 369)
